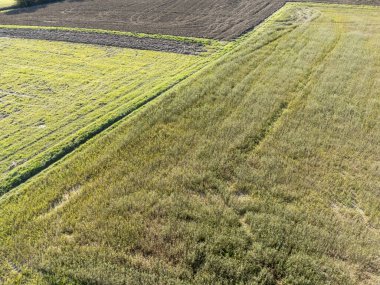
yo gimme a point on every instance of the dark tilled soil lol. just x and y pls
(105, 39)
(218, 19)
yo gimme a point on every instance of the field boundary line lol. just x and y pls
(118, 33)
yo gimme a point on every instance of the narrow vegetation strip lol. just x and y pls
(114, 40)
(195, 40)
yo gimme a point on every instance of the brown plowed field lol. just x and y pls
(218, 19)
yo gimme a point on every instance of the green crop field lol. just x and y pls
(53, 95)
(262, 168)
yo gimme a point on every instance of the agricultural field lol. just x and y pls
(261, 168)
(54, 96)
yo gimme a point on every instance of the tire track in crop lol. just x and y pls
(290, 105)
(255, 141)
(252, 143)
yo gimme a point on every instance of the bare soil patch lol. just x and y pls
(105, 39)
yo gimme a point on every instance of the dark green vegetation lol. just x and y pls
(262, 169)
